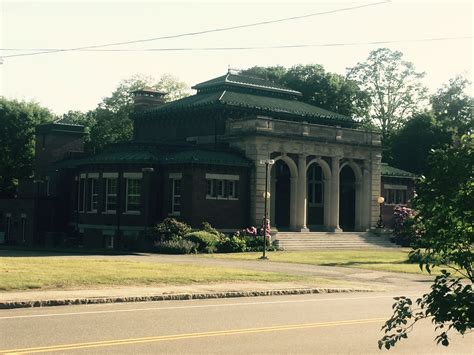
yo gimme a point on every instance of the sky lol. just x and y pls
(78, 80)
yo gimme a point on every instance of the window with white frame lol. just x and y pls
(221, 186)
(395, 194)
(175, 193)
(93, 188)
(134, 187)
(111, 194)
(82, 193)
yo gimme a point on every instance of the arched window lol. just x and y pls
(315, 186)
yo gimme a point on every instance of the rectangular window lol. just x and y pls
(176, 197)
(133, 195)
(23, 228)
(210, 188)
(110, 194)
(395, 197)
(221, 189)
(82, 194)
(232, 189)
(8, 218)
(93, 188)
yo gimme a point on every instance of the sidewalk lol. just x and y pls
(43, 298)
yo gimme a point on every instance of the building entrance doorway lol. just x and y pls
(347, 199)
(315, 198)
(281, 174)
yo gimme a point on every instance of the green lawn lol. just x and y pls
(21, 273)
(385, 260)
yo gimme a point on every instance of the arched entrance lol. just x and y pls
(282, 194)
(347, 199)
(315, 197)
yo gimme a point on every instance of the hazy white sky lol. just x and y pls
(79, 80)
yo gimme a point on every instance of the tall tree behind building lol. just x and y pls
(18, 120)
(453, 107)
(330, 91)
(394, 88)
(110, 122)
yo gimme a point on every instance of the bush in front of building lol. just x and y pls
(171, 229)
(231, 244)
(206, 242)
(177, 246)
(404, 231)
(206, 227)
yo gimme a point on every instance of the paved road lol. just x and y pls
(311, 324)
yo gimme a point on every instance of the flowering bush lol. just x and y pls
(253, 237)
(404, 231)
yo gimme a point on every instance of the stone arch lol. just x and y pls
(275, 193)
(350, 202)
(315, 212)
(324, 166)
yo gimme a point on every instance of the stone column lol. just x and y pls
(302, 195)
(358, 206)
(293, 203)
(272, 198)
(327, 203)
(365, 224)
(375, 188)
(335, 169)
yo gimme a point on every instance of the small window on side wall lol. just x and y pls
(175, 193)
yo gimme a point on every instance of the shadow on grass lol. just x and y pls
(358, 263)
(9, 251)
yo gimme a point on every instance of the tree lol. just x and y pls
(452, 107)
(394, 88)
(410, 147)
(445, 221)
(330, 91)
(110, 122)
(18, 120)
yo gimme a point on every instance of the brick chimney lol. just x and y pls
(147, 97)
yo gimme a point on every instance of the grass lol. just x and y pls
(383, 260)
(22, 273)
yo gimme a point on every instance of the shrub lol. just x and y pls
(253, 238)
(232, 244)
(404, 231)
(206, 227)
(205, 241)
(177, 246)
(171, 229)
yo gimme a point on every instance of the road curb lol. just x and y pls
(172, 297)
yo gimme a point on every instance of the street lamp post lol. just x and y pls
(380, 200)
(266, 195)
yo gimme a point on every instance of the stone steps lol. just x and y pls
(324, 240)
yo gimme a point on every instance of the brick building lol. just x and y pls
(199, 159)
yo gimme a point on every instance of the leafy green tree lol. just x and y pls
(330, 91)
(410, 147)
(445, 221)
(18, 120)
(394, 88)
(110, 122)
(452, 107)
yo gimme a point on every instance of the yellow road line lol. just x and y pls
(159, 338)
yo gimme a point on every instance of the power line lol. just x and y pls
(335, 44)
(222, 29)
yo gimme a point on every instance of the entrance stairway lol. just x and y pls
(326, 240)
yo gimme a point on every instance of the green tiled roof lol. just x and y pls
(205, 157)
(231, 79)
(390, 171)
(264, 104)
(149, 154)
